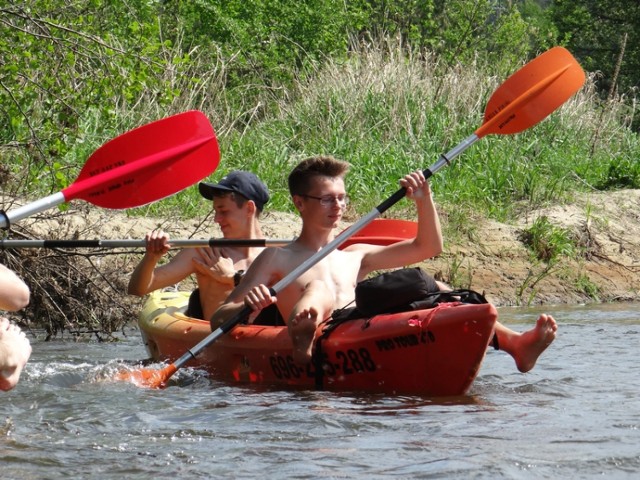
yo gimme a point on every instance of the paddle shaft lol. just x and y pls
(179, 243)
(6, 218)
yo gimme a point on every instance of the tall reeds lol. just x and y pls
(388, 110)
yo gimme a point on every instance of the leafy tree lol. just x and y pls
(459, 31)
(271, 40)
(543, 31)
(266, 40)
(596, 31)
(68, 70)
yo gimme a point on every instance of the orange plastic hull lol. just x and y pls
(435, 352)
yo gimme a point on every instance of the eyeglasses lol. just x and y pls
(328, 200)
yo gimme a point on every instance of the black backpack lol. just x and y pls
(401, 290)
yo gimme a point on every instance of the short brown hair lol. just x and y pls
(321, 166)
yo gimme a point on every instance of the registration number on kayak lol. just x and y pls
(346, 362)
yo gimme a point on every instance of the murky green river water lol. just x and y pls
(576, 415)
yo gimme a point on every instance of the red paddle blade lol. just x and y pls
(383, 231)
(532, 93)
(148, 163)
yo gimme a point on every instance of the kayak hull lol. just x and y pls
(435, 352)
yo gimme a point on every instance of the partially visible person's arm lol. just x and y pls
(14, 293)
(428, 241)
(15, 351)
(15, 348)
(147, 278)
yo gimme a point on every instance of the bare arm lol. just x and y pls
(428, 241)
(147, 278)
(14, 293)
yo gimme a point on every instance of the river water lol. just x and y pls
(576, 415)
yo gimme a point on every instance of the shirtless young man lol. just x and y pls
(318, 192)
(238, 200)
(15, 348)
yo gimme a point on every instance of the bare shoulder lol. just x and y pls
(180, 264)
(287, 255)
(364, 250)
(266, 268)
(269, 259)
(268, 254)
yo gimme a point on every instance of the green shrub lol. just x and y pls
(547, 242)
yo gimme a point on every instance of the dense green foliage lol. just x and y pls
(385, 85)
(603, 33)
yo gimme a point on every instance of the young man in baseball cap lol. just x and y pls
(238, 199)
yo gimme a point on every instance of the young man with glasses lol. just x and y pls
(318, 192)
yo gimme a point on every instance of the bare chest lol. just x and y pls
(338, 272)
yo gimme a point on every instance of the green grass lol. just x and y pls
(388, 115)
(547, 242)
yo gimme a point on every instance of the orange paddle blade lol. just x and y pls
(532, 93)
(146, 377)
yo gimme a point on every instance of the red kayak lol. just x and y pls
(434, 352)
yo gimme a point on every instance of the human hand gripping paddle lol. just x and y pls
(523, 100)
(143, 165)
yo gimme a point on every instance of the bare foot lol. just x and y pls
(15, 351)
(529, 345)
(302, 330)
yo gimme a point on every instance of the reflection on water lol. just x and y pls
(575, 415)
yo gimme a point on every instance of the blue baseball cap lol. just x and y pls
(246, 184)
